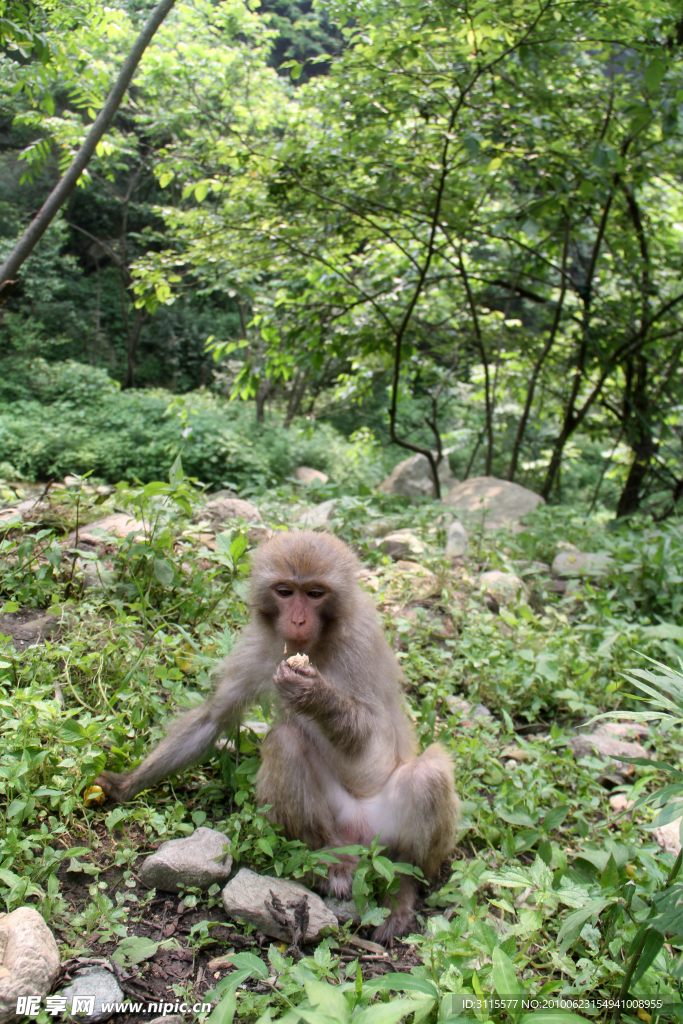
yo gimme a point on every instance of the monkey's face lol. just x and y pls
(299, 613)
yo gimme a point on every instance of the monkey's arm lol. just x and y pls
(346, 721)
(241, 678)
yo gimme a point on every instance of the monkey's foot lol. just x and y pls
(114, 786)
(399, 920)
(339, 880)
(397, 924)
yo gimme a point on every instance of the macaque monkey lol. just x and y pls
(341, 765)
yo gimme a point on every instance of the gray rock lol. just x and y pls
(97, 982)
(180, 863)
(601, 744)
(244, 900)
(223, 492)
(118, 524)
(29, 959)
(343, 910)
(504, 586)
(669, 836)
(579, 563)
(457, 540)
(460, 706)
(222, 511)
(496, 502)
(400, 544)
(413, 477)
(171, 1018)
(319, 517)
(306, 475)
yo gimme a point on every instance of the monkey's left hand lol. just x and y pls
(296, 686)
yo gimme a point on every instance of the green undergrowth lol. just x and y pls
(68, 418)
(549, 888)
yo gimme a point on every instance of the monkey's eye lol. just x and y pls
(316, 593)
(283, 591)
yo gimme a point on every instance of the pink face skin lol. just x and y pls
(299, 619)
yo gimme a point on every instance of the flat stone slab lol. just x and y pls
(497, 502)
(601, 744)
(29, 959)
(580, 563)
(198, 860)
(245, 896)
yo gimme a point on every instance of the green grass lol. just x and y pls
(548, 885)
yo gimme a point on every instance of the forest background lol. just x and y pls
(455, 229)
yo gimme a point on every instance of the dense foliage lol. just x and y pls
(476, 210)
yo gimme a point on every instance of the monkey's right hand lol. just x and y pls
(296, 686)
(113, 786)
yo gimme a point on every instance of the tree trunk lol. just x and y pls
(63, 189)
(642, 442)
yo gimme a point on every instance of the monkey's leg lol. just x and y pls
(417, 813)
(190, 738)
(294, 780)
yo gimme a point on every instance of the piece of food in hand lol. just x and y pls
(94, 795)
(298, 661)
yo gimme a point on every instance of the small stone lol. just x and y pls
(223, 511)
(457, 540)
(306, 475)
(181, 863)
(97, 982)
(669, 836)
(170, 1018)
(29, 959)
(516, 754)
(244, 900)
(599, 744)
(118, 524)
(343, 910)
(400, 544)
(504, 586)
(620, 802)
(579, 563)
(319, 517)
(622, 730)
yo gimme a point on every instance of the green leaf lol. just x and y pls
(134, 949)
(652, 946)
(225, 1011)
(175, 474)
(387, 1013)
(554, 818)
(164, 571)
(516, 817)
(238, 547)
(610, 875)
(504, 975)
(401, 983)
(251, 962)
(654, 73)
(573, 923)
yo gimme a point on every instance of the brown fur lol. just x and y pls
(342, 764)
